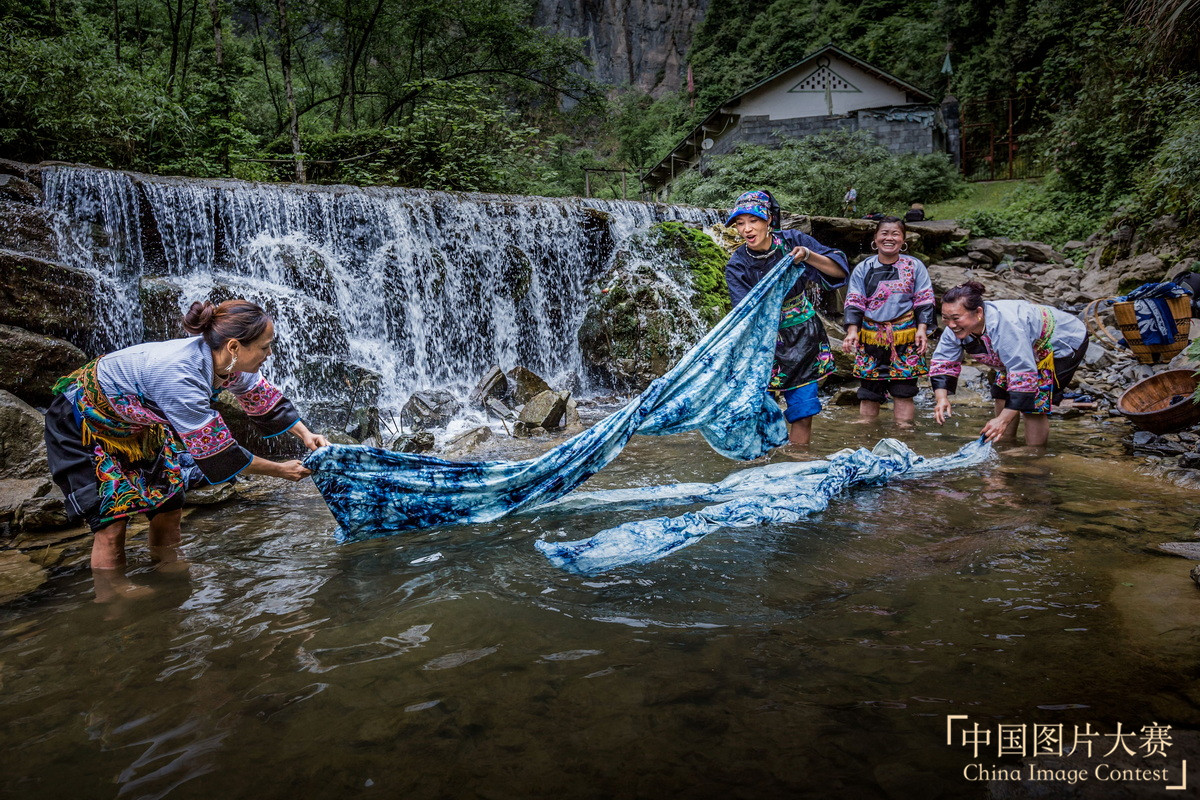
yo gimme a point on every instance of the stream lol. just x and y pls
(819, 659)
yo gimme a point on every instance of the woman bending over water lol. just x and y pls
(802, 354)
(1034, 350)
(126, 428)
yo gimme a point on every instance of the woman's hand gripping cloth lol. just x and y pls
(776, 493)
(718, 387)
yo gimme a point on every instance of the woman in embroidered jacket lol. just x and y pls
(130, 430)
(1034, 350)
(889, 309)
(802, 354)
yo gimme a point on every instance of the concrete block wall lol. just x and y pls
(899, 133)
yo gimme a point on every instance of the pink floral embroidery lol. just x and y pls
(1023, 381)
(905, 283)
(260, 399)
(129, 408)
(939, 367)
(989, 358)
(923, 298)
(209, 440)
(856, 300)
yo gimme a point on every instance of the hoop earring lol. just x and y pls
(904, 247)
(874, 246)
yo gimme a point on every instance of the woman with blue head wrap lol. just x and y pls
(802, 354)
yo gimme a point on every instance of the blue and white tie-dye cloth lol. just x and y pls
(1156, 323)
(776, 493)
(718, 388)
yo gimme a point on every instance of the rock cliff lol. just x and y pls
(638, 42)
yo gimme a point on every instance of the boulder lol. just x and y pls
(848, 235)
(845, 396)
(211, 495)
(48, 298)
(16, 494)
(429, 409)
(523, 384)
(988, 249)
(466, 442)
(493, 385)
(545, 410)
(359, 423)
(247, 434)
(944, 277)
(18, 169)
(522, 431)
(19, 575)
(1123, 276)
(1037, 252)
(420, 442)
(22, 447)
(571, 420)
(31, 363)
(635, 331)
(162, 318)
(497, 409)
(19, 190)
(27, 229)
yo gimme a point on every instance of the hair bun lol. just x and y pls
(199, 318)
(975, 286)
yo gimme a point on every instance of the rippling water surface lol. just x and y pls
(809, 660)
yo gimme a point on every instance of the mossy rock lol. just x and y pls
(705, 262)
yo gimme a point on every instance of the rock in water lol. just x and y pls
(466, 442)
(545, 410)
(429, 409)
(524, 384)
(420, 442)
(494, 385)
(18, 575)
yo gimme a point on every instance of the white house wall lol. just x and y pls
(801, 93)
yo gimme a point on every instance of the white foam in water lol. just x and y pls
(426, 289)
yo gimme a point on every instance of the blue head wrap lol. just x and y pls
(756, 203)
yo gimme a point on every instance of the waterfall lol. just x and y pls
(424, 289)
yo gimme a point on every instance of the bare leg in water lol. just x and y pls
(164, 539)
(800, 431)
(108, 565)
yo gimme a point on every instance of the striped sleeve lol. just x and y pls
(185, 402)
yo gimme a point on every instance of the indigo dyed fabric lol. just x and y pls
(776, 493)
(718, 387)
(1156, 323)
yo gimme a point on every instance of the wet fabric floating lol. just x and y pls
(717, 388)
(776, 493)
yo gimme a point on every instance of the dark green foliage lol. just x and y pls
(810, 175)
(427, 94)
(1045, 212)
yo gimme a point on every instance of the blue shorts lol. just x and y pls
(802, 402)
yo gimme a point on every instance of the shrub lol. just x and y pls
(810, 175)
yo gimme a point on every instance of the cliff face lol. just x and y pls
(638, 42)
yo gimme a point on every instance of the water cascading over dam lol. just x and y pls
(424, 289)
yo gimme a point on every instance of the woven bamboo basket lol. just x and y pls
(1162, 403)
(1181, 310)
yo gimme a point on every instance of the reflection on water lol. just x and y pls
(811, 660)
